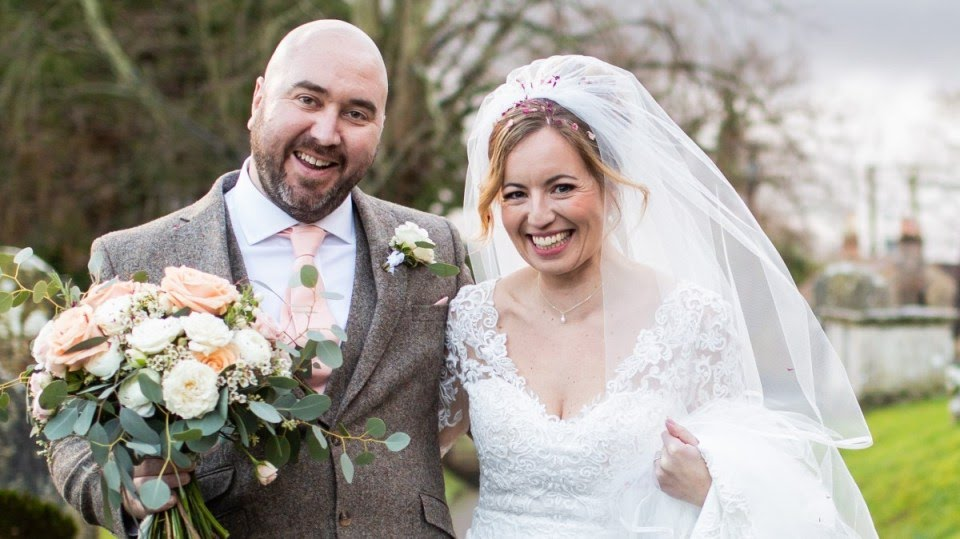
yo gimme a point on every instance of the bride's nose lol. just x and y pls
(541, 212)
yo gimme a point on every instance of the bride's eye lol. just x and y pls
(563, 188)
(512, 195)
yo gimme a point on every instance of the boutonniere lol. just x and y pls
(411, 245)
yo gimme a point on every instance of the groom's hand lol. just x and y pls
(680, 469)
(149, 469)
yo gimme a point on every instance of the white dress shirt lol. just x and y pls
(269, 258)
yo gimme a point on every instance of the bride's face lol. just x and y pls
(552, 207)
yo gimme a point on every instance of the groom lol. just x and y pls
(317, 116)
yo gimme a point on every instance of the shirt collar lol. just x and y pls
(270, 220)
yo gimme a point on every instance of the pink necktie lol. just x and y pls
(305, 308)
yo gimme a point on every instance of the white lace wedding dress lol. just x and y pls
(591, 475)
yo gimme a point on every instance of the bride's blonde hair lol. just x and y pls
(524, 119)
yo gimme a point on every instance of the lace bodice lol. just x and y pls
(542, 475)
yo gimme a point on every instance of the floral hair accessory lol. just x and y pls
(412, 246)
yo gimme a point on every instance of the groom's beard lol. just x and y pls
(304, 207)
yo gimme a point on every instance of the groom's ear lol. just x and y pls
(257, 101)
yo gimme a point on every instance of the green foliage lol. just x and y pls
(910, 476)
(22, 515)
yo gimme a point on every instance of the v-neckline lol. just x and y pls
(520, 381)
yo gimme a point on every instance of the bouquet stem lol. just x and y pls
(189, 519)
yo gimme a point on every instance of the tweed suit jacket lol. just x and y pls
(392, 362)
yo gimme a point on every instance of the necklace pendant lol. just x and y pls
(563, 318)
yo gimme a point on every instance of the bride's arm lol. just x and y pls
(454, 413)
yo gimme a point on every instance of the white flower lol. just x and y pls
(206, 332)
(253, 348)
(154, 334)
(408, 234)
(266, 473)
(105, 365)
(190, 389)
(394, 259)
(113, 315)
(131, 397)
(405, 249)
(39, 380)
(424, 255)
(42, 344)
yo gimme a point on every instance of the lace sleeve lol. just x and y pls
(453, 417)
(716, 370)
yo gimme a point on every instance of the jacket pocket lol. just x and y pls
(436, 313)
(436, 513)
(215, 483)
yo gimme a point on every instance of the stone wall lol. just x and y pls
(893, 352)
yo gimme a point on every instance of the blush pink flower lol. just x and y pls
(103, 292)
(69, 329)
(199, 291)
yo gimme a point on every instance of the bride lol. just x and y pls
(636, 360)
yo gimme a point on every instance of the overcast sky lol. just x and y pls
(875, 70)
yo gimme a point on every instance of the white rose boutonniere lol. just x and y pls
(411, 245)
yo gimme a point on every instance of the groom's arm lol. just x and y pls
(465, 276)
(74, 472)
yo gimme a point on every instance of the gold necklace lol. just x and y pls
(563, 313)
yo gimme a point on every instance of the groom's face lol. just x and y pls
(316, 121)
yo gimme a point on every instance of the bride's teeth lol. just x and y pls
(312, 160)
(550, 241)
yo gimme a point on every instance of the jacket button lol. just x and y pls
(344, 518)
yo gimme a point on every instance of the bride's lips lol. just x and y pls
(550, 244)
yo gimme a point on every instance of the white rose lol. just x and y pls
(153, 335)
(131, 397)
(190, 389)
(105, 365)
(253, 348)
(206, 332)
(409, 234)
(424, 255)
(113, 315)
(266, 473)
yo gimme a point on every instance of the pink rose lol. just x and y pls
(72, 327)
(265, 325)
(103, 292)
(201, 292)
(38, 381)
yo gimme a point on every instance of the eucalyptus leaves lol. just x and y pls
(170, 371)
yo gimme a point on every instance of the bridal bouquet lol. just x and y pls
(169, 371)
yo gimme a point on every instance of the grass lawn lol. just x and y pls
(911, 476)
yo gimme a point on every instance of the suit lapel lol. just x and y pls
(388, 296)
(204, 236)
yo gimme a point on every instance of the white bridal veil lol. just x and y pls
(692, 228)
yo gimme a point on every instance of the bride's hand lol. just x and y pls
(680, 469)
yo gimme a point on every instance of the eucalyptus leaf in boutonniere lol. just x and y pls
(411, 245)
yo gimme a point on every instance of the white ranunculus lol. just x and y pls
(153, 335)
(114, 315)
(253, 348)
(409, 234)
(266, 473)
(190, 389)
(206, 332)
(105, 365)
(131, 397)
